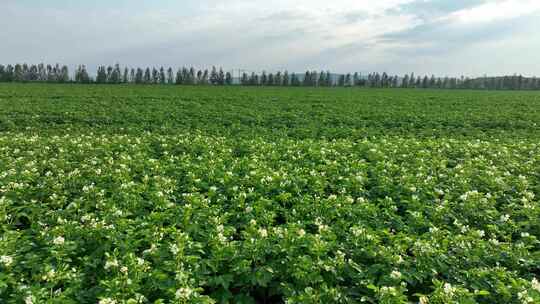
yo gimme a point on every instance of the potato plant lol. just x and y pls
(202, 215)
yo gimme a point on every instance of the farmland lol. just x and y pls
(164, 194)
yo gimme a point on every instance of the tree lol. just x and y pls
(162, 77)
(438, 83)
(101, 75)
(519, 83)
(385, 83)
(49, 73)
(32, 73)
(329, 81)
(466, 84)
(42, 71)
(109, 74)
(270, 79)
(125, 78)
(221, 77)
(405, 81)
(188, 75)
(228, 78)
(117, 73)
(425, 82)
(378, 80)
(205, 77)
(199, 77)
(114, 74)
(307, 79)
(179, 77)
(278, 80)
(64, 74)
(412, 81)
(202, 77)
(348, 80)
(322, 79)
(253, 79)
(184, 76)
(341, 80)
(147, 76)
(170, 76)
(139, 76)
(25, 73)
(155, 76)
(432, 82)
(295, 82)
(286, 80)
(244, 80)
(395, 81)
(445, 83)
(18, 74)
(314, 77)
(191, 76)
(214, 76)
(453, 83)
(81, 75)
(356, 79)
(264, 79)
(10, 73)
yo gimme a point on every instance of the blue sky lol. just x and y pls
(445, 37)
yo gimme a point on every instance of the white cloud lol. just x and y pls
(498, 10)
(341, 35)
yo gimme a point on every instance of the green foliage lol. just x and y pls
(276, 112)
(235, 195)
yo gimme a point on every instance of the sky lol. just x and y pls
(441, 37)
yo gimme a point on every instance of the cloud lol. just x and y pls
(354, 17)
(494, 11)
(427, 9)
(464, 27)
(341, 35)
(444, 34)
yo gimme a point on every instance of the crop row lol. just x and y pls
(272, 112)
(193, 218)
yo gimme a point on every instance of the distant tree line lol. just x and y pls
(216, 76)
(30, 73)
(183, 76)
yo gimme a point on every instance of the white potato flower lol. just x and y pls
(395, 275)
(6, 260)
(107, 301)
(111, 263)
(535, 284)
(59, 240)
(184, 293)
(448, 289)
(29, 300)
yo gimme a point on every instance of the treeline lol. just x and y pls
(216, 76)
(514, 82)
(114, 75)
(31, 73)
(185, 76)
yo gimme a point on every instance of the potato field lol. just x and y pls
(179, 194)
